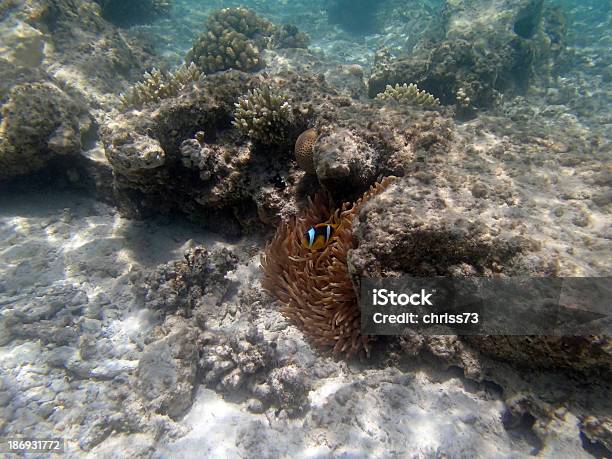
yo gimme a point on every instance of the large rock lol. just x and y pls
(490, 47)
(167, 370)
(40, 122)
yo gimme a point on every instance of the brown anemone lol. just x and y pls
(314, 288)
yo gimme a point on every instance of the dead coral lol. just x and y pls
(314, 287)
(408, 94)
(184, 285)
(158, 85)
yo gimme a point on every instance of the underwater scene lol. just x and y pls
(305, 229)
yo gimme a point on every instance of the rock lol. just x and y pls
(344, 161)
(457, 70)
(112, 368)
(40, 122)
(21, 44)
(166, 371)
(255, 406)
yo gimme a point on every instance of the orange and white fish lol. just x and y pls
(318, 236)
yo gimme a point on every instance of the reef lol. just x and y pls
(126, 14)
(58, 63)
(235, 37)
(480, 59)
(245, 176)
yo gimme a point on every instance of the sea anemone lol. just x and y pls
(314, 288)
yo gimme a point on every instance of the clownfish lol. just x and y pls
(318, 236)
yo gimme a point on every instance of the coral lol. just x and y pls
(124, 13)
(580, 354)
(227, 361)
(422, 238)
(133, 152)
(158, 85)
(181, 286)
(231, 185)
(408, 94)
(40, 122)
(480, 55)
(314, 288)
(289, 36)
(304, 150)
(233, 39)
(246, 361)
(264, 115)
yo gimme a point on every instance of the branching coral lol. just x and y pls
(158, 85)
(314, 287)
(408, 93)
(264, 115)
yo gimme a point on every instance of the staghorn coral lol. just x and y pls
(124, 13)
(158, 85)
(304, 150)
(233, 39)
(315, 287)
(408, 93)
(264, 115)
